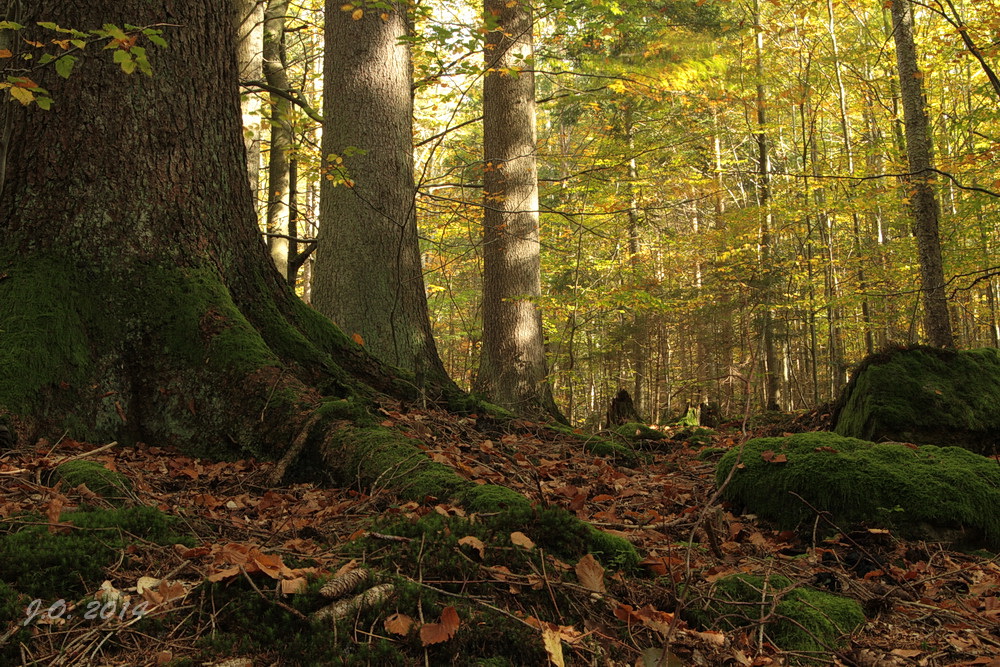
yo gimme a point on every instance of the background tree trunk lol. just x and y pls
(250, 56)
(512, 369)
(769, 347)
(923, 202)
(282, 136)
(368, 276)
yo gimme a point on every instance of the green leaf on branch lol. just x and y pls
(115, 32)
(154, 36)
(10, 25)
(141, 60)
(125, 60)
(64, 66)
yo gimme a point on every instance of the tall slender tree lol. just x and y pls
(921, 178)
(512, 370)
(282, 135)
(769, 356)
(368, 276)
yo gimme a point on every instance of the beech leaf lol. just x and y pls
(475, 543)
(436, 633)
(398, 624)
(522, 540)
(591, 574)
(553, 645)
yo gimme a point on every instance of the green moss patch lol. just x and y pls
(856, 481)
(925, 395)
(53, 566)
(108, 484)
(43, 335)
(194, 318)
(797, 619)
(619, 451)
(635, 431)
(381, 458)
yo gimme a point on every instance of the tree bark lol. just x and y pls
(512, 368)
(766, 320)
(137, 300)
(249, 55)
(921, 178)
(282, 136)
(368, 276)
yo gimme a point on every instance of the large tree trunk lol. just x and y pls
(923, 202)
(137, 301)
(512, 370)
(368, 276)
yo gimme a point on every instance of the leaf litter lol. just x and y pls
(925, 604)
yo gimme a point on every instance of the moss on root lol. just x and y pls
(799, 619)
(856, 481)
(925, 395)
(384, 458)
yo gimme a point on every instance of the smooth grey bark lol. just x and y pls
(282, 137)
(368, 276)
(250, 60)
(921, 178)
(512, 368)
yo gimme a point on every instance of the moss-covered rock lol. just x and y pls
(926, 396)
(636, 431)
(695, 437)
(797, 619)
(888, 484)
(110, 485)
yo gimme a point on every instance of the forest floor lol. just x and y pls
(925, 604)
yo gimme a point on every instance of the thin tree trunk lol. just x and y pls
(282, 137)
(770, 354)
(921, 178)
(639, 337)
(250, 56)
